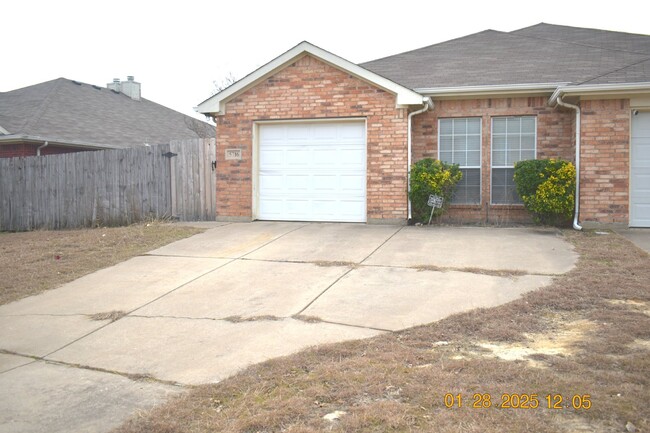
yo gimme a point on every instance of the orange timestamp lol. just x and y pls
(518, 401)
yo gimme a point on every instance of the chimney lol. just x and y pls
(115, 85)
(130, 87)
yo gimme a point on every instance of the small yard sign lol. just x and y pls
(435, 201)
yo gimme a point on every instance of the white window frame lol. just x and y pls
(506, 166)
(480, 156)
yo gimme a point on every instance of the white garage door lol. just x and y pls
(312, 171)
(640, 171)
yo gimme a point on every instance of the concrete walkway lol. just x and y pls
(200, 309)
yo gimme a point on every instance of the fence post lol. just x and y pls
(172, 170)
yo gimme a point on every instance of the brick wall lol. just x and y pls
(555, 138)
(29, 149)
(605, 144)
(309, 88)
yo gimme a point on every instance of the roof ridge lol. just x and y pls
(431, 45)
(33, 121)
(513, 33)
(613, 71)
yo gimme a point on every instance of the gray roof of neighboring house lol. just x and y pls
(542, 53)
(66, 111)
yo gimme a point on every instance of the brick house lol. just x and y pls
(61, 116)
(312, 137)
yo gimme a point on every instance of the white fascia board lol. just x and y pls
(216, 103)
(599, 89)
(3, 131)
(506, 89)
(17, 138)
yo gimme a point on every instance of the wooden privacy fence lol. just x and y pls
(109, 187)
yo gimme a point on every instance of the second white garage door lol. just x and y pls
(312, 171)
(640, 171)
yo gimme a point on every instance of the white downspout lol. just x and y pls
(428, 103)
(576, 225)
(38, 149)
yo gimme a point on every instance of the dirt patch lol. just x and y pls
(42, 260)
(306, 318)
(492, 272)
(326, 264)
(560, 341)
(110, 315)
(239, 319)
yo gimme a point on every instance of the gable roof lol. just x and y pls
(536, 57)
(216, 103)
(68, 112)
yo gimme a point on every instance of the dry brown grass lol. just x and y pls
(597, 315)
(32, 262)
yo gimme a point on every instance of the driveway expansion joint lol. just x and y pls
(136, 377)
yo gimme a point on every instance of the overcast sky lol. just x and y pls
(177, 49)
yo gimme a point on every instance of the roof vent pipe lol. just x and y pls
(560, 102)
(428, 103)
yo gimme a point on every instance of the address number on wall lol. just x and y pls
(233, 154)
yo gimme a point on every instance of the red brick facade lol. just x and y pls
(29, 149)
(605, 161)
(311, 89)
(555, 139)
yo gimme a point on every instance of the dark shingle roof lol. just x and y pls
(71, 112)
(591, 37)
(497, 58)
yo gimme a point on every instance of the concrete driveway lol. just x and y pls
(200, 309)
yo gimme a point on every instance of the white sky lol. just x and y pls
(176, 49)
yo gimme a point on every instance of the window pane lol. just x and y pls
(468, 190)
(474, 158)
(460, 126)
(499, 142)
(512, 156)
(498, 158)
(460, 143)
(473, 142)
(474, 125)
(446, 157)
(527, 154)
(528, 125)
(446, 126)
(499, 125)
(446, 143)
(527, 141)
(503, 187)
(514, 125)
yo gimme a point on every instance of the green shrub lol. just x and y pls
(430, 176)
(547, 188)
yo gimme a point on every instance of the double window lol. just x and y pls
(459, 142)
(513, 140)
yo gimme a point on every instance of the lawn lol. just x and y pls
(571, 357)
(33, 262)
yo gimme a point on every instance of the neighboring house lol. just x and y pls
(63, 115)
(310, 136)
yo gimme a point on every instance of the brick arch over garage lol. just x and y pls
(311, 89)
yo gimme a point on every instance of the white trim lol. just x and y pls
(508, 89)
(3, 131)
(216, 104)
(599, 89)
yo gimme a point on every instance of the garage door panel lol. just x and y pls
(640, 171)
(312, 171)
(271, 183)
(353, 183)
(322, 183)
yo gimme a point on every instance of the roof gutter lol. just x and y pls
(576, 212)
(599, 89)
(505, 89)
(428, 103)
